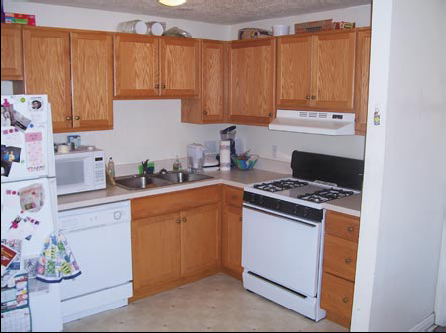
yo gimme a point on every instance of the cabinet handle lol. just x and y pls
(205, 113)
(350, 230)
(313, 97)
(69, 118)
(163, 86)
(345, 300)
(157, 86)
(178, 221)
(308, 97)
(77, 118)
(241, 219)
(270, 114)
(184, 220)
(348, 261)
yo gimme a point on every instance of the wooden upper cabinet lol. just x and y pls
(200, 239)
(136, 66)
(92, 75)
(213, 69)
(252, 81)
(294, 59)
(209, 106)
(362, 80)
(180, 60)
(334, 71)
(47, 71)
(11, 56)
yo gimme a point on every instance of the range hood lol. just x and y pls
(326, 123)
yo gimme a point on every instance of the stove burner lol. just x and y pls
(280, 185)
(325, 195)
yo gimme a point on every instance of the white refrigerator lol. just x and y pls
(29, 200)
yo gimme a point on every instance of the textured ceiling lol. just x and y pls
(214, 11)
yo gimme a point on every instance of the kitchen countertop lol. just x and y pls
(350, 205)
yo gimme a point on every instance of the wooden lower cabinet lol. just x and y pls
(232, 241)
(337, 299)
(200, 239)
(176, 247)
(156, 250)
(339, 269)
(232, 231)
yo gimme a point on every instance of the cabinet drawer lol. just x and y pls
(337, 299)
(233, 196)
(174, 202)
(340, 257)
(342, 226)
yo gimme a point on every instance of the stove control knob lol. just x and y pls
(306, 211)
(277, 204)
(117, 215)
(261, 200)
(253, 198)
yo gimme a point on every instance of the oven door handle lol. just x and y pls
(279, 216)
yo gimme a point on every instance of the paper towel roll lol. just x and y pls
(225, 155)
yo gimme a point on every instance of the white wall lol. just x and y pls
(403, 204)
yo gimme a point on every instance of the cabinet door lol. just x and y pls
(232, 239)
(180, 61)
(294, 71)
(334, 71)
(213, 70)
(200, 239)
(362, 80)
(11, 56)
(92, 72)
(156, 251)
(136, 66)
(252, 81)
(47, 71)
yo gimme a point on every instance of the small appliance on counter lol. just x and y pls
(195, 158)
(80, 170)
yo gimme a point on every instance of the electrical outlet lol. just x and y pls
(274, 151)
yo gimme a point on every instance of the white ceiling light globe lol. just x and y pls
(172, 3)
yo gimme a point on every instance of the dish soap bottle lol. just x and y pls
(111, 167)
(177, 167)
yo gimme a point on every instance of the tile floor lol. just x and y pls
(216, 304)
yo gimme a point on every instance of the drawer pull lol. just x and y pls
(157, 86)
(348, 261)
(184, 220)
(351, 229)
(69, 118)
(345, 300)
(178, 221)
(77, 118)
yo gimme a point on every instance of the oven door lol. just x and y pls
(283, 250)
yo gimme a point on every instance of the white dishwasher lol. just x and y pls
(100, 238)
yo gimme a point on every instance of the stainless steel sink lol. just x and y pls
(180, 177)
(139, 182)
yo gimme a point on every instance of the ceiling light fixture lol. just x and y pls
(172, 3)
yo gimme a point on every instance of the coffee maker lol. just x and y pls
(229, 134)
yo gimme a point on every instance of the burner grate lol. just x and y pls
(325, 195)
(280, 185)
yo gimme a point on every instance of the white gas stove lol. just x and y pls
(283, 229)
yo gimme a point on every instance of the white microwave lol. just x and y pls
(80, 171)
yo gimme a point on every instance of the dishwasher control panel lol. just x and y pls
(95, 216)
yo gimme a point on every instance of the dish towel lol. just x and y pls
(57, 262)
